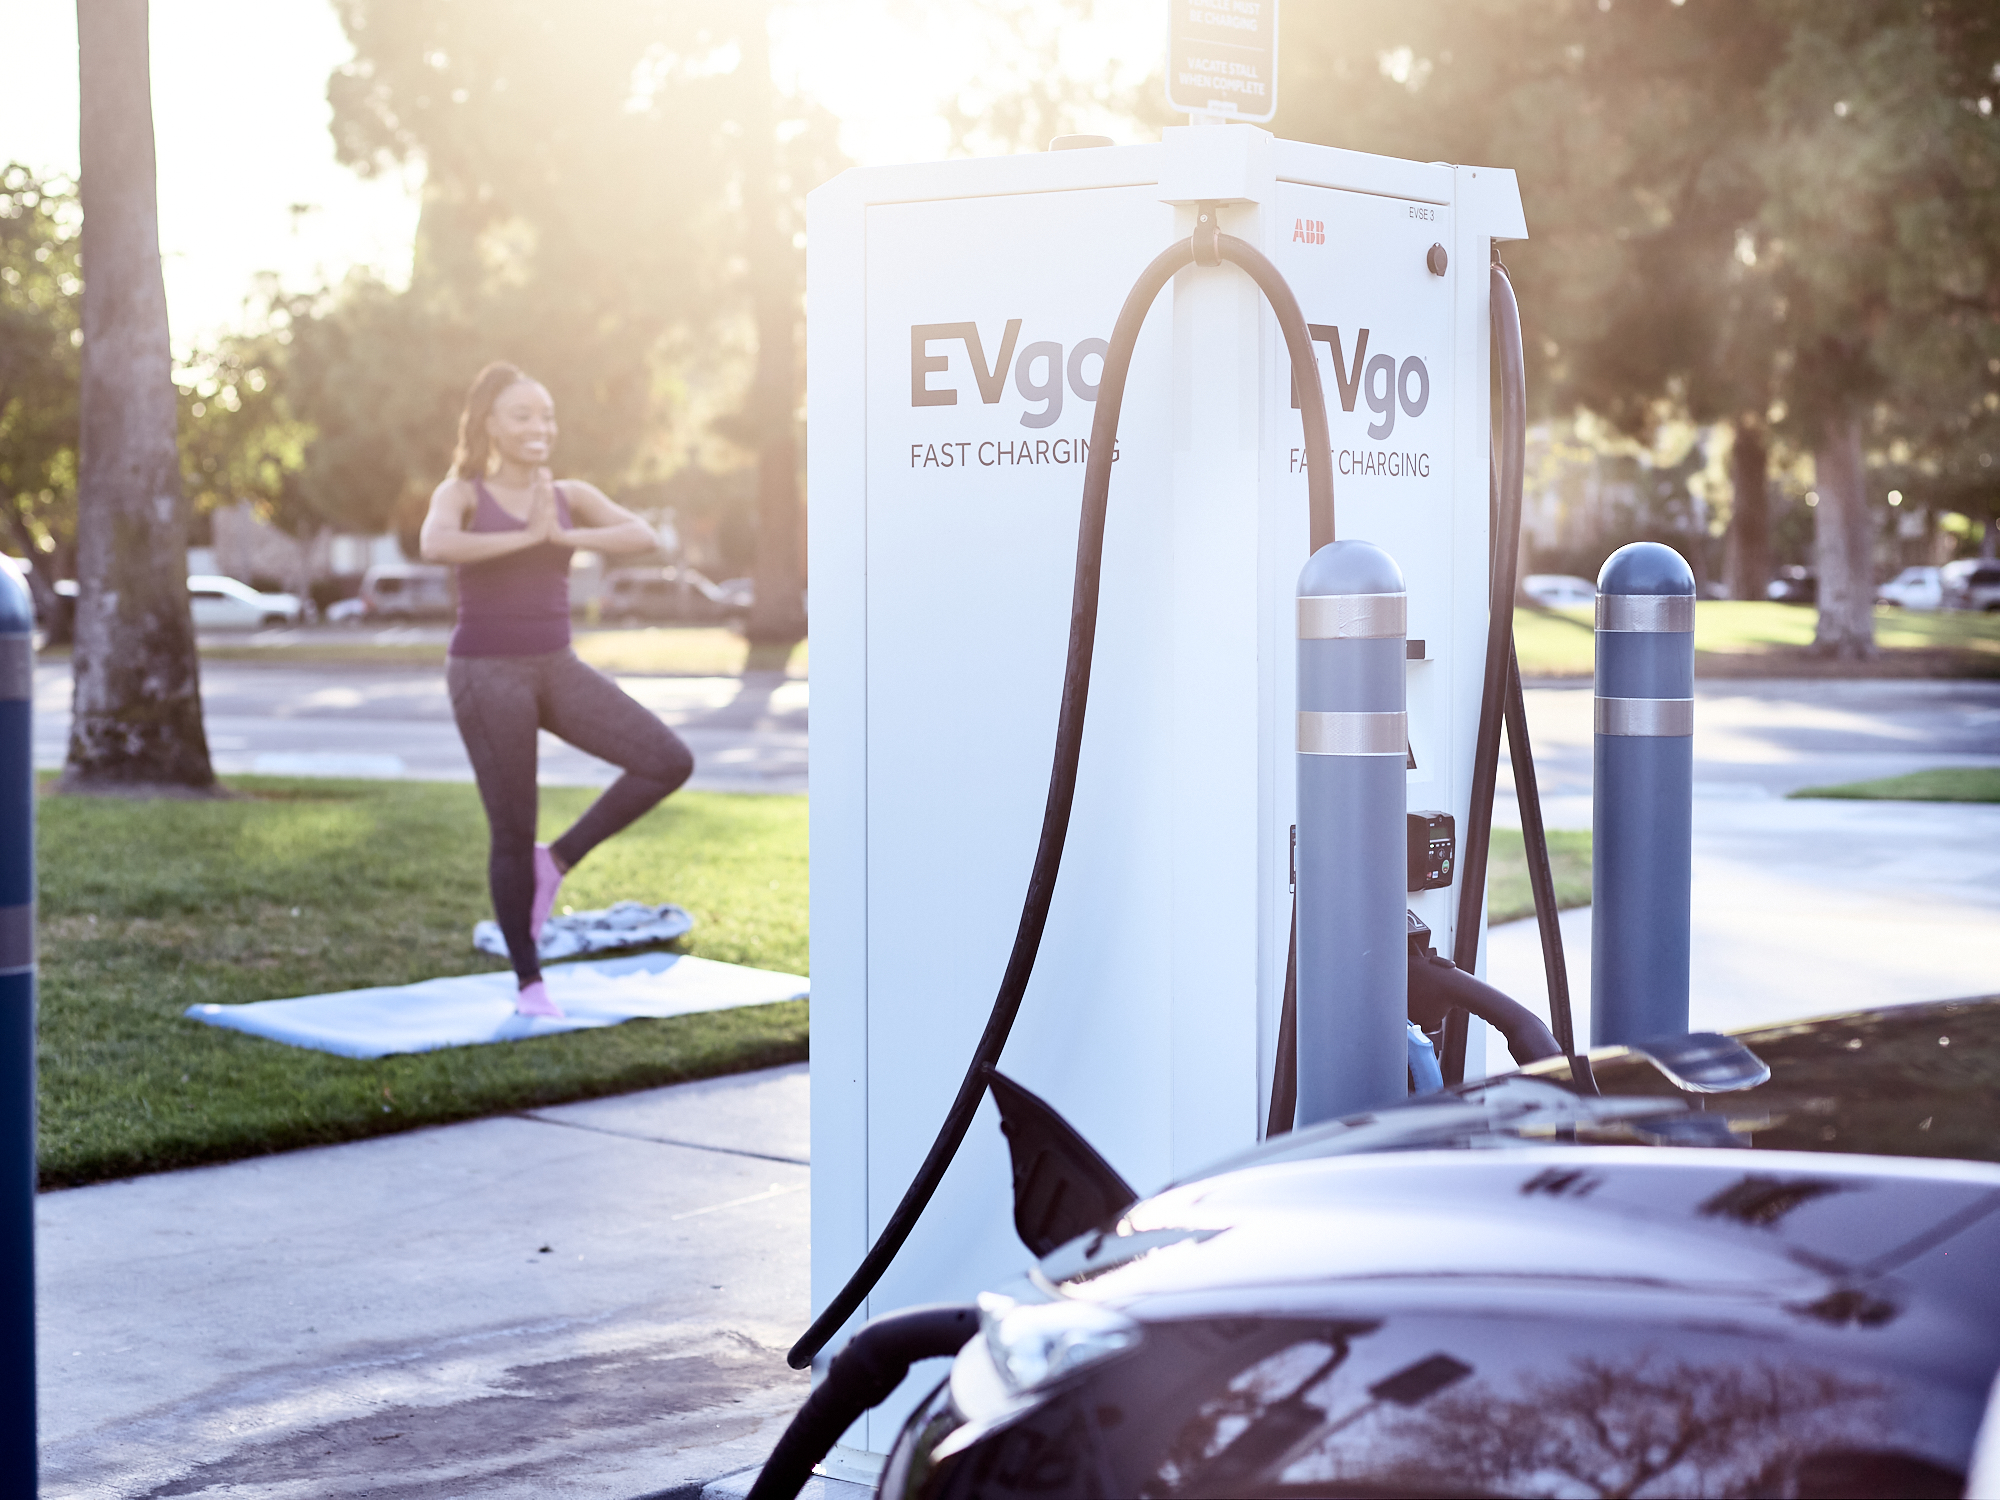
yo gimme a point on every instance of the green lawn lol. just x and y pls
(1555, 642)
(304, 886)
(1751, 639)
(295, 887)
(1949, 784)
(1508, 895)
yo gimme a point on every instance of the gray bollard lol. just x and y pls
(17, 1039)
(1642, 810)
(1353, 974)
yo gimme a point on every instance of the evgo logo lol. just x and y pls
(1042, 370)
(1380, 379)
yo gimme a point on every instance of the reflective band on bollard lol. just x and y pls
(1353, 976)
(17, 1041)
(1643, 796)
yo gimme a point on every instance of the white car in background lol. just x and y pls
(1559, 590)
(220, 603)
(1914, 588)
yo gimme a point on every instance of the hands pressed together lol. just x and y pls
(544, 525)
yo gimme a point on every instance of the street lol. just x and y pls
(1764, 739)
(1800, 907)
(748, 733)
(1752, 739)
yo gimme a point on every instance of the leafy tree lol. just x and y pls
(378, 377)
(610, 191)
(137, 709)
(1775, 213)
(1882, 164)
(40, 334)
(238, 439)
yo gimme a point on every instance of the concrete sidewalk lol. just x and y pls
(585, 1301)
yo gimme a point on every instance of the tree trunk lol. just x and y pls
(137, 715)
(777, 617)
(1749, 563)
(1843, 543)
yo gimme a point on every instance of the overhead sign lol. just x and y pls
(1222, 58)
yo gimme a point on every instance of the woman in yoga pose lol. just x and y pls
(510, 530)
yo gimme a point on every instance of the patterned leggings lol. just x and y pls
(500, 703)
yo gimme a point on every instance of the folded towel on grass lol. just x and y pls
(470, 1009)
(627, 924)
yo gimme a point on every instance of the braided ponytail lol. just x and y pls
(469, 461)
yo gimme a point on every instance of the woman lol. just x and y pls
(510, 530)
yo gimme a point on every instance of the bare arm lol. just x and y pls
(444, 538)
(605, 525)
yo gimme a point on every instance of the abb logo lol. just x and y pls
(1308, 231)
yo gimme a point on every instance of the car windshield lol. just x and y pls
(1915, 1080)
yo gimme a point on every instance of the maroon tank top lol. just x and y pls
(517, 605)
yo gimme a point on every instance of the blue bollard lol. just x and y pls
(1642, 813)
(1353, 974)
(17, 1039)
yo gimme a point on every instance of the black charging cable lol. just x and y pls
(1535, 839)
(1208, 246)
(870, 1366)
(1499, 652)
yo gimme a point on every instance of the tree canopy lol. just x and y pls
(1771, 212)
(41, 333)
(239, 437)
(587, 213)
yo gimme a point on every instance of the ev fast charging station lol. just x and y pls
(958, 319)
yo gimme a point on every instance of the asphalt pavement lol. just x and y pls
(748, 733)
(1774, 737)
(1801, 906)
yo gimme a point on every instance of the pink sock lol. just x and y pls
(548, 880)
(533, 1000)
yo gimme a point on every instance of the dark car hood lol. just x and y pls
(1909, 1080)
(1623, 1215)
(1904, 1250)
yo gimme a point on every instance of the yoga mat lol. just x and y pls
(473, 1009)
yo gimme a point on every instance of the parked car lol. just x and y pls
(1751, 1266)
(408, 591)
(1559, 590)
(679, 594)
(220, 603)
(1971, 583)
(1794, 585)
(1915, 588)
